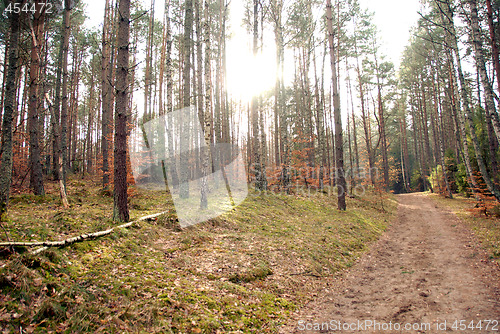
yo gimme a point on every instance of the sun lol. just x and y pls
(249, 75)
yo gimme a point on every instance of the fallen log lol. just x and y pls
(80, 238)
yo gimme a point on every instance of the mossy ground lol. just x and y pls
(486, 229)
(245, 271)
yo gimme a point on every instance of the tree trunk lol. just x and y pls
(56, 119)
(207, 117)
(493, 147)
(381, 116)
(276, 11)
(280, 122)
(88, 163)
(186, 98)
(494, 43)
(425, 132)
(481, 67)
(63, 151)
(254, 107)
(365, 119)
(5, 69)
(439, 136)
(106, 99)
(405, 154)
(161, 106)
(120, 212)
(148, 113)
(34, 107)
(354, 128)
(170, 87)
(320, 125)
(10, 96)
(351, 158)
(73, 112)
(339, 147)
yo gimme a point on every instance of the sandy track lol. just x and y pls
(426, 269)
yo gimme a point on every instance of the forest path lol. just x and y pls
(426, 269)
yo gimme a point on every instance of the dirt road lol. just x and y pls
(426, 270)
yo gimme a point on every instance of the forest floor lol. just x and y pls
(432, 271)
(274, 260)
(243, 272)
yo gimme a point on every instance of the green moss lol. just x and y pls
(84, 246)
(254, 274)
(33, 199)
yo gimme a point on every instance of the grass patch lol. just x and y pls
(245, 271)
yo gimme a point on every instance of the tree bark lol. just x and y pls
(91, 106)
(34, 107)
(106, 99)
(493, 147)
(10, 96)
(405, 154)
(481, 67)
(280, 122)
(276, 11)
(354, 128)
(439, 136)
(365, 120)
(494, 43)
(63, 151)
(425, 128)
(161, 106)
(320, 126)
(169, 104)
(186, 98)
(339, 147)
(120, 212)
(5, 70)
(207, 117)
(382, 132)
(254, 107)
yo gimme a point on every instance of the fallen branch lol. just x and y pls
(80, 238)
